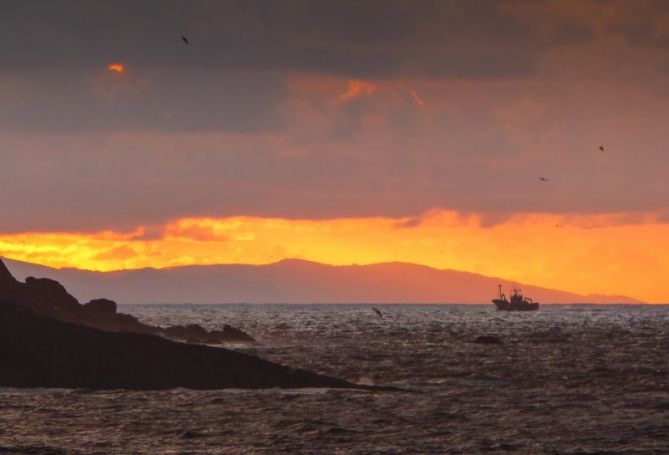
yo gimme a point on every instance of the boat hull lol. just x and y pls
(505, 305)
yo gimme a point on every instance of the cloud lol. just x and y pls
(116, 67)
(375, 155)
(643, 23)
(416, 97)
(118, 253)
(142, 98)
(410, 222)
(246, 120)
(195, 230)
(232, 77)
(586, 256)
(373, 38)
(356, 89)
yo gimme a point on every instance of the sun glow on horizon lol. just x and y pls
(577, 253)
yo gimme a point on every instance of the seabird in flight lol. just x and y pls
(601, 148)
(184, 39)
(543, 179)
(378, 312)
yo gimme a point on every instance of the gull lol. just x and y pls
(184, 39)
(601, 148)
(543, 179)
(378, 312)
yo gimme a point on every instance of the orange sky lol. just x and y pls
(611, 253)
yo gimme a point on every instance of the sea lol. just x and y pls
(567, 379)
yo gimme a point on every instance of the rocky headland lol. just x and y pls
(48, 339)
(38, 351)
(46, 297)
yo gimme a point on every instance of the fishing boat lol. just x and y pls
(518, 302)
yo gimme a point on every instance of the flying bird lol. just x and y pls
(378, 312)
(184, 39)
(543, 179)
(558, 225)
(601, 148)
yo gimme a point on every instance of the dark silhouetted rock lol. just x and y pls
(49, 298)
(41, 291)
(100, 307)
(233, 334)
(191, 333)
(38, 351)
(42, 295)
(7, 280)
(487, 339)
(194, 333)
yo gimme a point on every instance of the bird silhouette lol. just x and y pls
(543, 179)
(558, 225)
(184, 39)
(601, 148)
(378, 312)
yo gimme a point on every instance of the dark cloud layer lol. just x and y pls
(467, 103)
(231, 76)
(373, 38)
(144, 98)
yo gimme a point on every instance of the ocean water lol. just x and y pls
(566, 379)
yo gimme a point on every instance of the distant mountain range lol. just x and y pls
(294, 281)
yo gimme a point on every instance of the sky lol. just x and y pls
(341, 132)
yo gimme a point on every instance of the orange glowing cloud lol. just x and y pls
(116, 68)
(416, 97)
(356, 89)
(608, 254)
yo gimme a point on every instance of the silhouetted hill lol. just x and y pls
(296, 281)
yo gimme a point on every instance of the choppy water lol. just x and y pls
(568, 379)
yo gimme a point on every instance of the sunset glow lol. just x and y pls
(523, 140)
(116, 68)
(356, 89)
(584, 254)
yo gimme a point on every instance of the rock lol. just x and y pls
(191, 333)
(7, 280)
(231, 333)
(38, 351)
(194, 333)
(487, 339)
(42, 295)
(47, 339)
(100, 307)
(44, 291)
(47, 297)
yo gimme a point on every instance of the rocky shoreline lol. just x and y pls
(48, 339)
(46, 297)
(37, 351)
